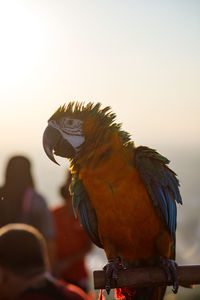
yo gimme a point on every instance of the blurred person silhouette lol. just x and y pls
(71, 242)
(20, 203)
(24, 267)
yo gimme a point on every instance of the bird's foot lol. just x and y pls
(169, 267)
(112, 268)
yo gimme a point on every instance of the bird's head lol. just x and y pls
(73, 126)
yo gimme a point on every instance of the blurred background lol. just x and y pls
(142, 58)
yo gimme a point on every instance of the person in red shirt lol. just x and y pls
(24, 268)
(71, 242)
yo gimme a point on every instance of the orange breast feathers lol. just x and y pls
(128, 224)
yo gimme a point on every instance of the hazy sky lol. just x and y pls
(140, 57)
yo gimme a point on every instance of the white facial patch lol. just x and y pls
(75, 140)
(71, 130)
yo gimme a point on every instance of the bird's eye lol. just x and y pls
(70, 122)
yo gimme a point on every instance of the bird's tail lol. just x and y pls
(147, 293)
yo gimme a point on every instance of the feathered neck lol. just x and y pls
(101, 142)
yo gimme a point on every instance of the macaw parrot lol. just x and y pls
(125, 196)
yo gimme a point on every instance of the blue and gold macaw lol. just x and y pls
(125, 196)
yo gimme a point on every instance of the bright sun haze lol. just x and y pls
(139, 57)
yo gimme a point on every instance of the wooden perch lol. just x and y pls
(140, 277)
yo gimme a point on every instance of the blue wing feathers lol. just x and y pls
(171, 212)
(162, 184)
(82, 211)
(174, 185)
(161, 201)
(81, 204)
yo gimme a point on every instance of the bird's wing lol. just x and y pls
(81, 204)
(161, 183)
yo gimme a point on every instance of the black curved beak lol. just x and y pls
(51, 137)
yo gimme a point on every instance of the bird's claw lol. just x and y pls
(111, 272)
(169, 267)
